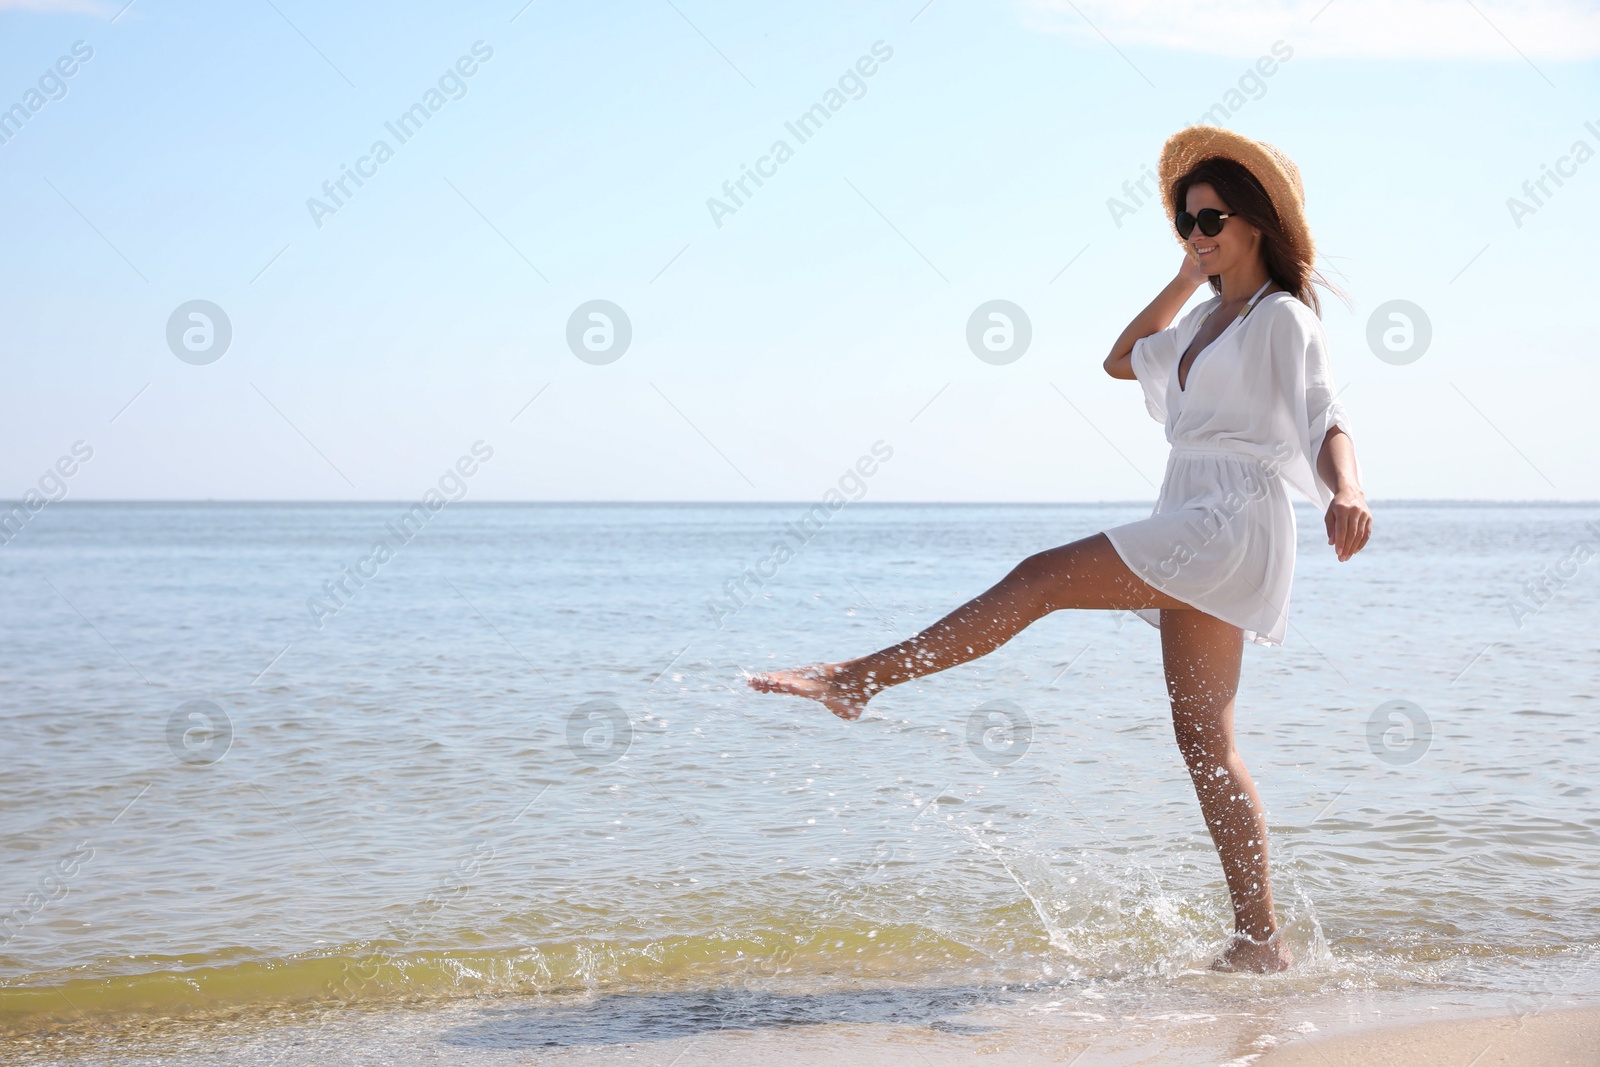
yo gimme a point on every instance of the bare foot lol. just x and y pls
(828, 684)
(1258, 957)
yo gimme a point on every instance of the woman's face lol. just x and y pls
(1235, 246)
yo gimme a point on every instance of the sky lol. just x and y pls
(561, 154)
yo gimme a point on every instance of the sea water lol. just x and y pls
(254, 767)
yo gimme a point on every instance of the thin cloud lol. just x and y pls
(1509, 30)
(59, 7)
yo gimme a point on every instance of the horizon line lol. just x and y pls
(386, 502)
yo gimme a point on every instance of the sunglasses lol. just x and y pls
(1209, 218)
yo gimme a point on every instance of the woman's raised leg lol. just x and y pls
(1201, 655)
(1083, 574)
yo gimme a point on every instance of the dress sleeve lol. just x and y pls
(1155, 355)
(1307, 398)
(1323, 410)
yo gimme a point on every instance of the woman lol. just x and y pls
(1243, 387)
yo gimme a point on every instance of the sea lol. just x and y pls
(499, 792)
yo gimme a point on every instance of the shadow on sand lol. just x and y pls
(619, 1018)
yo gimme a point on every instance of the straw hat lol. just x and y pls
(1275, 171)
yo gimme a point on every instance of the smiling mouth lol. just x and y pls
(1205, 251)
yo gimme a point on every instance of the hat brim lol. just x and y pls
(1275, 171)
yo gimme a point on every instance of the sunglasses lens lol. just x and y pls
(1210, 220)
(1185, 224)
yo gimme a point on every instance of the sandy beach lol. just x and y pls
(855, 1029)
(1543, 1039)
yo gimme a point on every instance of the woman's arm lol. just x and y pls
(1348, 520)
(1157, 316)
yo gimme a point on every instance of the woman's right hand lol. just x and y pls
(1191, 271)
(1156, 316)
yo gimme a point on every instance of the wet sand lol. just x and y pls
(500, 1032)
(1541, 1039)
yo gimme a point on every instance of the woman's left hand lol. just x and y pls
(1349, 522)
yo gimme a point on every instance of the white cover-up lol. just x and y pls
(1255, 407)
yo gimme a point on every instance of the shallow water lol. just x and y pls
(521, 759)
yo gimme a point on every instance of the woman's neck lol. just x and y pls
(1241, 284)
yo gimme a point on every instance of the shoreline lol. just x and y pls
(855, 1028)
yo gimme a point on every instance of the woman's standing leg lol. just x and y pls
(1202, 656)
(1084, 574)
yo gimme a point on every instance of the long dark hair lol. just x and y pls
(1245, 198)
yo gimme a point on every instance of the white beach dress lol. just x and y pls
(1251, 418)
